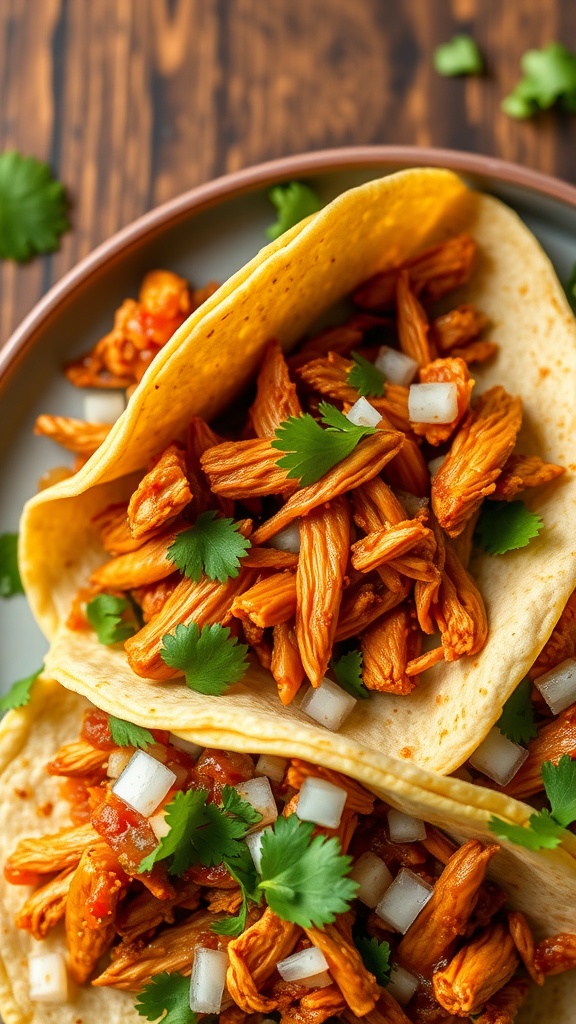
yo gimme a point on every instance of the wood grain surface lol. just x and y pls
(135, 101)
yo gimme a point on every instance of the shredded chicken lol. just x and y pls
(387, 647)
(460, 614)
(446, 371)
(386, 1011)
(432, 274)
(148, 564)
(523, 471)
(343, 339)
(314, 1007)
(161, 494)
(562, 643)
(115, 535)
(556, 954)
(270, 602)
(525, 945)
(253, 958)
(77, 759)
(387, 544)
(359, 988)
(458, 327)
(554, 740)
(363, 604)
(477, 972)
(269, 558)
(246, 469)
(504, 1006)
(153, 597)
(329, 377)
(74, 435)
(96, 886)
(146, 912)
(46, 906)
(45, 854)
(286, 663)
(276, 399)
(412, 323)
(476, 352)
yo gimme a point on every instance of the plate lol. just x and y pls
(206, 234)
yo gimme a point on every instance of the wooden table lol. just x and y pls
(134, 101)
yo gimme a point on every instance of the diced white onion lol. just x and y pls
(404, 828)
(48, 978)
(498, 757)
(558, 686)
(397, 367)
(304, 964)
(402, 984)
(433, 403)
(404, 900)
(258, 792)
(373, 877)
(144, 783)
(254, 844)
(287, 539)
(363, 414)
(104, 407)
(273, 767)
(321, 802)
(208, 980)
(434, 464)
(159, 825)
(328, 704)
(321, 980)
(117, 761)
(194, 749)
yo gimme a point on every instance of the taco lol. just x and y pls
(396, 244)
(122, 879)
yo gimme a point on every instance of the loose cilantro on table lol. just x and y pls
(348, 672)
(293, 203)
(126, 734)
(517, 719)
(312, 450)
(549, 76)
(20, 692)
(212, 546)
(366, 378)
(210, 658)
(506, 526)
(460, 56)
(105, 613)
(10, 582)
(32, 207)
(375, 957)
(545, 828)
(169, 993)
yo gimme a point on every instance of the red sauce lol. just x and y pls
(126, 831)
(96, 730)
(218, 768)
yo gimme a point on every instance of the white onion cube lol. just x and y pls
(328, 704)
(402, 984)
(397, 367)
(273, 767)
(254, 844)
(433, 403)
(362, 414)
(258, 793)
(404, 900)
(193, 749)
(321, 802)
(48, 978)
(287, 539)
(373, 877)
(208, 979)
(144, 783)
(403, 828)
(304, 964)
(159, 824)
(104, 407)
(558, 686)
(434, 464)
(498, 758)
(117, 762)
(321, 980)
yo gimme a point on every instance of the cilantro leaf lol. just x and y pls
(375, 956)
(212, 546)
(506, 526)
(10, 582)
(185, 814)
(365, 377)
(517, 719)
(20, 692)
(348, 672)
(166, 992)
(210, 658)
(233, 803)
(549, 76)
(126, 734)
(242, 869)
(218, 842)
(311, 450)
(32, 207)
(460, 56)
(293, 203)
(560, 785)
(542, 833)
(304, 877)
(105, 615)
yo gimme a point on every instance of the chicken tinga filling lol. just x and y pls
(275, 885)
(333, 538)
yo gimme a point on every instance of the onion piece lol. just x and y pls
(258, 793)
(373, 877)
(328, 704)
(404, 828)
(117, 761)
(498, 758)
(402, 984)
(159, 825)
(104, 408)
(144, 783)
(404, 900)
(287, 539)
(193, 749)
(321, 980)
(208, 980)
(558, 686)
(305, 964)
(397, 367)
(47, 978)
(434, 464)
(321, 802)
(273, 767)
(254, 844)
(362, 414)
(433, 403)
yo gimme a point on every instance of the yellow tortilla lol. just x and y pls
(542, 885)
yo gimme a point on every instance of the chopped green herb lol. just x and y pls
(348, 672)
(20, 692)
(242, 869)
(506, 526)
(541, 833)
(105, 614)
(10, 582)
(313, 451)
(293, 203)
(366, 378)
(560, 785)
(167, 994)
(212, 546)
(517, 719)
(126, 734)
(549, 76)
(375, 956)
(210, 658)
(32, 207)
(460, 56)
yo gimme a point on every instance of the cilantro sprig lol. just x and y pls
(126, 734)
(10, 582)
(375, 957)
(460, 56)
(546, 827)
(169, 994)
(517, 719)
(348, 672)
(32, 207)
(366, 378)
(293, 203)
(20, 692)
(506, 526)
(105, 613)
(549, 77)
(312, 450)
(213, 546)
(210, 658)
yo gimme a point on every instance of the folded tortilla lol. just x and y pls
(281, 293)
(542, 885)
